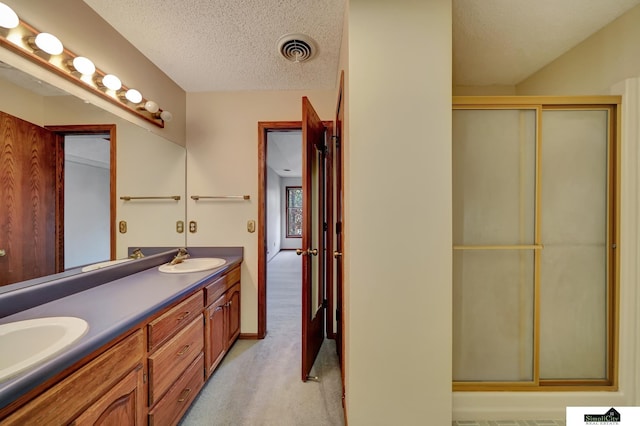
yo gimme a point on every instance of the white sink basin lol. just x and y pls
(194, 264)
(101, 265)
(27, 343)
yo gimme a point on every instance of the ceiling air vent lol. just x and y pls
(297, 47)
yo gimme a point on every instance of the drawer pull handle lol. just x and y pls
(184, 394)
(184, 315)
(184, 350)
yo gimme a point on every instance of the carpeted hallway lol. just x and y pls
(258, 382)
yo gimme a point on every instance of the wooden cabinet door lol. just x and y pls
(122, 405)
(62, 402)
(233, 314)
(216, 333)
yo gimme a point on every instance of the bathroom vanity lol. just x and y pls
(153, 340)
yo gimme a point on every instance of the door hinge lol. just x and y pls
(321, 148)
(338, 227)
(337, 315)
(324, 303)
(337, 141)
(325, 226)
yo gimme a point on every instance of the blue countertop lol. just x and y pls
(110, 309)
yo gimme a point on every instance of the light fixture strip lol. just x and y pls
(16, 40)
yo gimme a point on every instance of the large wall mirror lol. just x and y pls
(148, 168)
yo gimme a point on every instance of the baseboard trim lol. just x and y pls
(250, 336)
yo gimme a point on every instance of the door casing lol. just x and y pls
(82, 129)
(263, 128)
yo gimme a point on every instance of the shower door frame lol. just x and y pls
(539, 104)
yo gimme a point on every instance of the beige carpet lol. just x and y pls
(258, 382)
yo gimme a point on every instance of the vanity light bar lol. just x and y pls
(48, 51)
(8, 18)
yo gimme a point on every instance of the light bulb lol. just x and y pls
(151, 106)
(133, 96)
(166, 116)
(112, 82)
(84, 65)
(49, 43)
(8, 18)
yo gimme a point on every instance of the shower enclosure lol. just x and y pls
(535, 232)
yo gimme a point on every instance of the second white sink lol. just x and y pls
(193, 264)
(26, 343)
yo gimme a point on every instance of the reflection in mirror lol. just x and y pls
(87, 199)
(145, 165)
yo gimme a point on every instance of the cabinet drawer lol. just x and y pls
(175, 318)
(179, 397)
(170, 360)
(61, 403)
(214, 290)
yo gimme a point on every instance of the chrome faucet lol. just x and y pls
(136, 254)
(180, 257)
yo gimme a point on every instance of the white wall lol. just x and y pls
(86, 214)
(398, 213)
(222, 158)
(274, 213)
(288, 243)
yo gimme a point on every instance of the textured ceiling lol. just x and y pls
(211, 45)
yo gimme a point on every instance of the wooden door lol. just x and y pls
(338, 192)
(312, 251)
(28, 197)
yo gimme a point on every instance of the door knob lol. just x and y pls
(337, 254)
(2, 252)
(307, 252)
